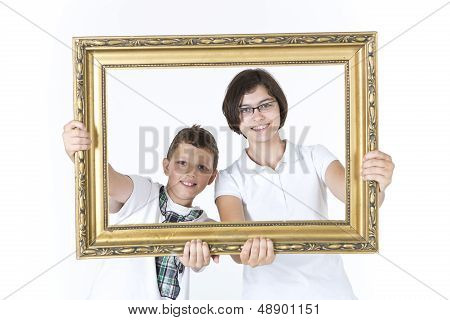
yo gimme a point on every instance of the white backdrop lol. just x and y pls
(37, 232)
(176, 98)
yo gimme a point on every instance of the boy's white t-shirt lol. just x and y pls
(135, 278)
(295, 190)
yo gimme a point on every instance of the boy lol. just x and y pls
(190, 165)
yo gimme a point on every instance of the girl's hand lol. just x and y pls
(257, 252)
(378, 166)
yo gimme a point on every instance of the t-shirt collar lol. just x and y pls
(289, 155)
(178, 208)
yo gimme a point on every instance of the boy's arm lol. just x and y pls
(114, 206)
(77, 138)
(120, 189)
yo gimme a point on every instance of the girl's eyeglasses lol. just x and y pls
(264, 107)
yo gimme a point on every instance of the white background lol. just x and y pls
(198, 99)
(36, 177)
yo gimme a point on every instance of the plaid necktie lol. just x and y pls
(169, 267)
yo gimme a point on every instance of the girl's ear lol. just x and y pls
(166, 166)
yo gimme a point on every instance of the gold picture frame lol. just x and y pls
(92, 56)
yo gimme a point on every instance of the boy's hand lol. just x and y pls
(257, 252)
(378, 166)
(76, 138)
(196, 255)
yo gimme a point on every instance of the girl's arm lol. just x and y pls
(255, 252)
(335, 181)
(231, 210)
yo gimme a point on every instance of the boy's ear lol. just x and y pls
(166, 166)
(213, 176)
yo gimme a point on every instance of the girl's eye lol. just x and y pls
(202, 167)
(181, 162)
(246, 110)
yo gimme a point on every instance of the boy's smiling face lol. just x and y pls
(189, 170)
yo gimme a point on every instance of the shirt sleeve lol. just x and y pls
(226, 185)
(140, 196)
(322, 158)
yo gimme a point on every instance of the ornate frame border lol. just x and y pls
(92, 56)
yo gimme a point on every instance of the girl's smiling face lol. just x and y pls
(259, 126)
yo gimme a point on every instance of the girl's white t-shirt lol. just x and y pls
(135, 278)
(295, 190)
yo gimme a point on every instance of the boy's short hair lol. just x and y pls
(199, 138)
(245, 82)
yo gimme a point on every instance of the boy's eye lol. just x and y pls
(181, 162)
(202, 167)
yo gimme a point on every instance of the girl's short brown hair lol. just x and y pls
(199, 138)
(243, 83)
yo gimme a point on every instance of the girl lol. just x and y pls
(276, 180)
